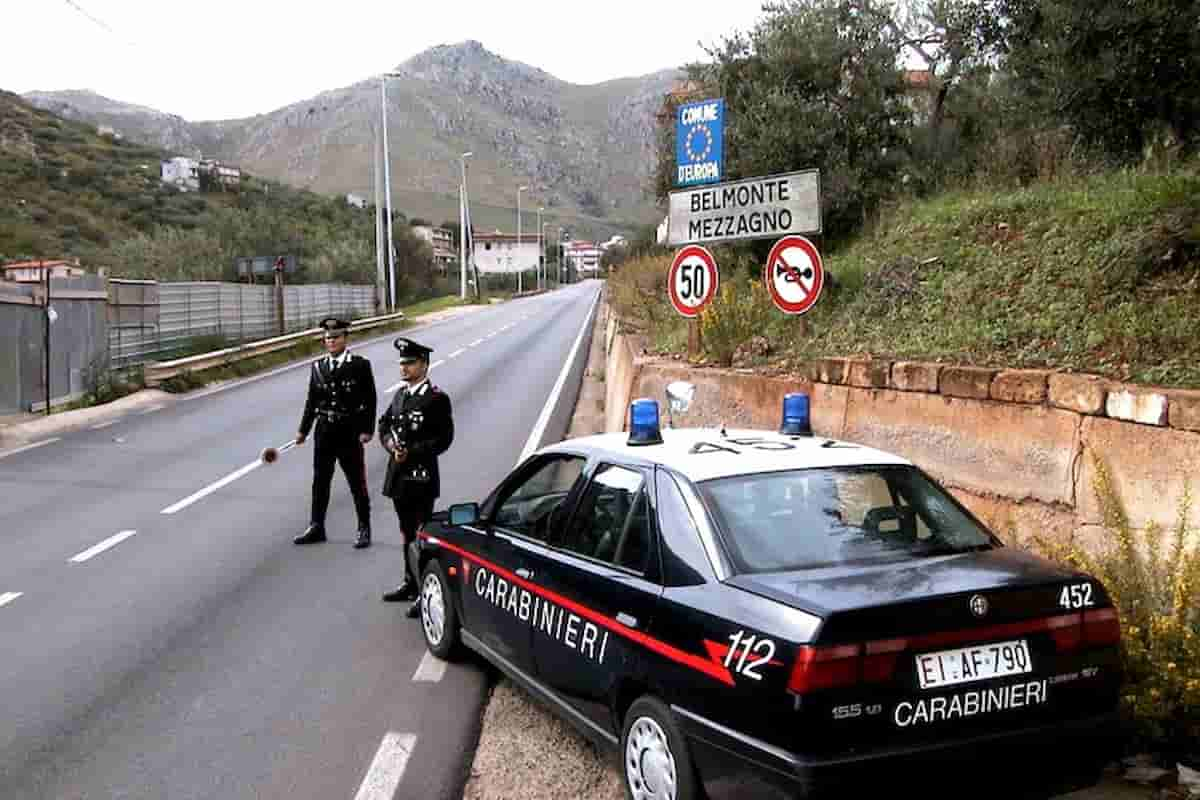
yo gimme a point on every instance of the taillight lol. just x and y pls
(1066, 631)
(1101, 627)
(818, 668)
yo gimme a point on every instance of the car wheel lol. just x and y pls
(655, 762)
(439, 618)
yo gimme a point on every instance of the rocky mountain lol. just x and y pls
(582, 150)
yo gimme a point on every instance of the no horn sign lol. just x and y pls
(794, 274)
(692, 280)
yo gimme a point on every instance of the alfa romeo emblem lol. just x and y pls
(979, 605)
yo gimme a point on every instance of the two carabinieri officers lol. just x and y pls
(416, 428)
(342, 404)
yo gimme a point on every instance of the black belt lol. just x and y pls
(335, 416)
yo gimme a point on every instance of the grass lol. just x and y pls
(1098, 273)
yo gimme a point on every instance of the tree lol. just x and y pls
(1114, 71)
(814, 84)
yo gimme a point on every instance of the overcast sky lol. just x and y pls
(222, 59)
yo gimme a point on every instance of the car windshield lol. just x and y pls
(811, 518)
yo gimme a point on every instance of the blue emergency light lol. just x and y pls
(795, 415)
(643, 422)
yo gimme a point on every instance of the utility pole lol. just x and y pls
(387, 187)
(519, 268)
(463, 222)
(380, 269)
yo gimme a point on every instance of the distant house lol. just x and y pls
(502, 252)
(583, 256)
(356, 200)
(442, 242)
(108, 130)
(223, 174)
(181, 172)
(35, 271)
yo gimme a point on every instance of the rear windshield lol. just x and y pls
(823, 517)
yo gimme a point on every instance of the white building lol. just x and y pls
(583, 256)
(501, 252)
(616, 240)
(181, 172)
(442, 242)
(222, 173)
(35, 271)
(356, 200)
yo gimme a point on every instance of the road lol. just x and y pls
(162, 636)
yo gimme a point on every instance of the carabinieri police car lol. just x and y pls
(748, 613)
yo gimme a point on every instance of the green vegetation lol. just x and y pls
(1153, 577)
(71, 193)
(1096, 273)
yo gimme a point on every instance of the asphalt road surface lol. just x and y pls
(162, 636)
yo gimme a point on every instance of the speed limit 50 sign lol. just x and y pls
(692, 281)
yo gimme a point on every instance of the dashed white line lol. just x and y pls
(387, 768)
(437, 363)
(431, 668)
(457, 352)
(207, 490)
(110, 542)
(104, 425)
(8, 597)
(42, 443)
(151, 410)
(391, 389)
(476, 342)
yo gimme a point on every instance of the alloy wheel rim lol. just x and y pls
(433, 610)
(649, 763)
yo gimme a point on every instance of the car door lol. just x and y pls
(601, 575)
(499, 596)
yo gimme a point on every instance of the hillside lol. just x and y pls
(584, 151)
(69, 192)
(1098, 273)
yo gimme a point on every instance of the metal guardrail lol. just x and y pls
(158, 371)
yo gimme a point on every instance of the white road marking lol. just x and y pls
(535, 436)
(493, 333)
(430, 669)
(476, 342)
(457, 352)
(387, 768)
(391, 389)
(8, 597)
(111, 541)
(103, 425)
(437, 363)
(207, 490)
(42, 443)
(151, 410)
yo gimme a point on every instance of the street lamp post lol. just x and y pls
(463, 222)
(519, 269)
(539, 261)
(387, 188)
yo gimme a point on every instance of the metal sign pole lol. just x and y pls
(46, 275)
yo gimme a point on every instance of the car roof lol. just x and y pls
(676, 452)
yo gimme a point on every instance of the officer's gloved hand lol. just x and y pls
(364, 437)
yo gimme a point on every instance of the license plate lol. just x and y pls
(978, 663)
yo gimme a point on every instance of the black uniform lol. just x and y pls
(423, 424)
(342, 403)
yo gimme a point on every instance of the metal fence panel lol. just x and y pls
(235, 312)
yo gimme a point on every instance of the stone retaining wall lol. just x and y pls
(1016, 446)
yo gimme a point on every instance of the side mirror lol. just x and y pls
(464, 514)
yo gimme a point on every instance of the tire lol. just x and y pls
(439, 617)
(655, 761)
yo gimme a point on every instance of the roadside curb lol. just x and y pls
(23, 433)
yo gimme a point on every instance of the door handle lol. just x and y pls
(627, 620)
(524, 573)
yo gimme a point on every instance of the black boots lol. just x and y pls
(364, 539)
(312, 534)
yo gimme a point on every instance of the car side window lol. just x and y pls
(529, 508)
(613, 520)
